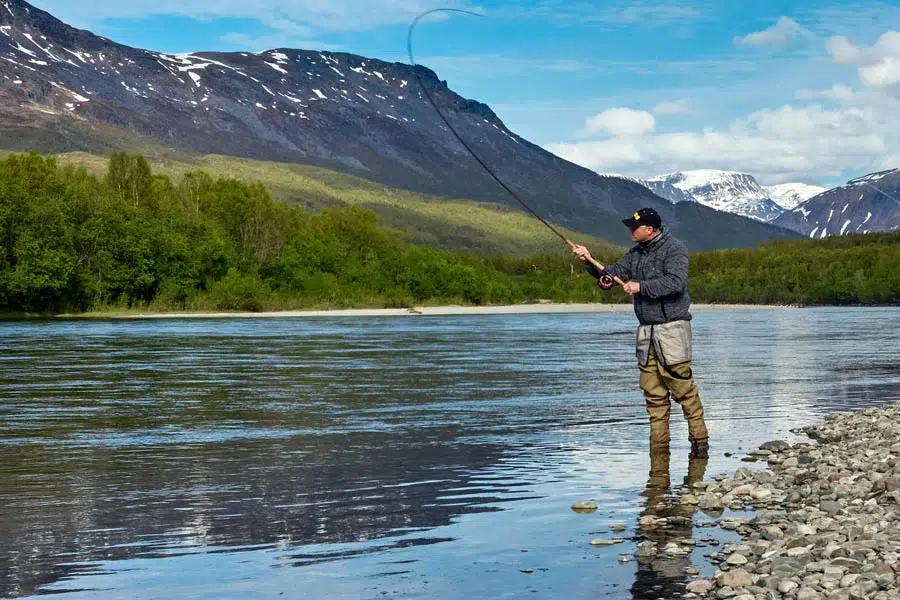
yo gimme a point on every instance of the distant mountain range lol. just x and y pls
(64, 89)
(865, 204)
(727, 191)
(868, 203)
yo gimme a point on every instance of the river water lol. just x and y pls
(405, 457)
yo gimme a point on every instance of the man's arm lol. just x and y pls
(620, 270)
(674, 276)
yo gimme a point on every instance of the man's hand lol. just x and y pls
(632, 287)
(581, 252)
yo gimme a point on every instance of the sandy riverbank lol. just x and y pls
(538, 308)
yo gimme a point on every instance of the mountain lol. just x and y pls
(64, 89)
(864, 204)
(790, 195)
(727, 191)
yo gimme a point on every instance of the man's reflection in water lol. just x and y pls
(661, 575)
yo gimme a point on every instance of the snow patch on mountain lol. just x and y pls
(862, 205)
(791, 195)
(727, 191)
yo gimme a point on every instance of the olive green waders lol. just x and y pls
(664, 357)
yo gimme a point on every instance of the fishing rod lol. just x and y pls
(487, 169)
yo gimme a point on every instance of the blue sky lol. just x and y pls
(793, 90)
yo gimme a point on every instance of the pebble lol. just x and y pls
(603, 542)
(585, 506)
(827, 516)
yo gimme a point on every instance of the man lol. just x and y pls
(655, 273)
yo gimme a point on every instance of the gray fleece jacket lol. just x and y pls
(661, 267)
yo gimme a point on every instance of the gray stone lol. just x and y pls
(603, 542)
(709, 501)
(775, 446)
(725, 592)
(831, 507)
(735, 579)
(700, 586)
(585, 506)
(808, 594)
(786, 586)
(832, 572)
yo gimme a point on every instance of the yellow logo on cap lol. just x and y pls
(637, 217)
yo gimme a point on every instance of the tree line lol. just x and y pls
(73, 242)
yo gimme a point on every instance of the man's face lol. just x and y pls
(642, 233)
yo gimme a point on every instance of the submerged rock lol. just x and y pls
(585, 506)
(603, 542)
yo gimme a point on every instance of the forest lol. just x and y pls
(134, 240)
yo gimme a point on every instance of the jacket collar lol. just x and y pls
(663, 233)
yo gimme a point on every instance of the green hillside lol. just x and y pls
(475, 227)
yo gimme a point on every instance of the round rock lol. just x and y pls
(585, 506)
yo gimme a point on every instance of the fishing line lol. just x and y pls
(880, 192)
(434, 105)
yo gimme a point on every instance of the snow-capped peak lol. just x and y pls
(686, 180)
(792, 195)
(727, 191)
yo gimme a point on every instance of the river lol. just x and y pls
(413, 457)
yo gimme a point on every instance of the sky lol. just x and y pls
(787, 90)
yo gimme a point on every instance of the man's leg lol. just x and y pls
(680, 380)
(656, 396)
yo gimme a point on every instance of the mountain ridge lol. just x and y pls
(727, 191)
(862, 205)
(61, 86)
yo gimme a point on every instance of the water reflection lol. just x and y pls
(352, 457)
(662, 575)
(101, 504)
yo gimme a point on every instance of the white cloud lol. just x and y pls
(777, 145)
(823, 135)
(842, 50)
(878, 66)
(619, 122)
(678, 107)
(782, 33)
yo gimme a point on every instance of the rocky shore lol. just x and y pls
(826, 521)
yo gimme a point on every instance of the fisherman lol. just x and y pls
(655, 273)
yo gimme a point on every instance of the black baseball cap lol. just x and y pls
(644, 216)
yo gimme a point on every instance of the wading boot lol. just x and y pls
(700, 449)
